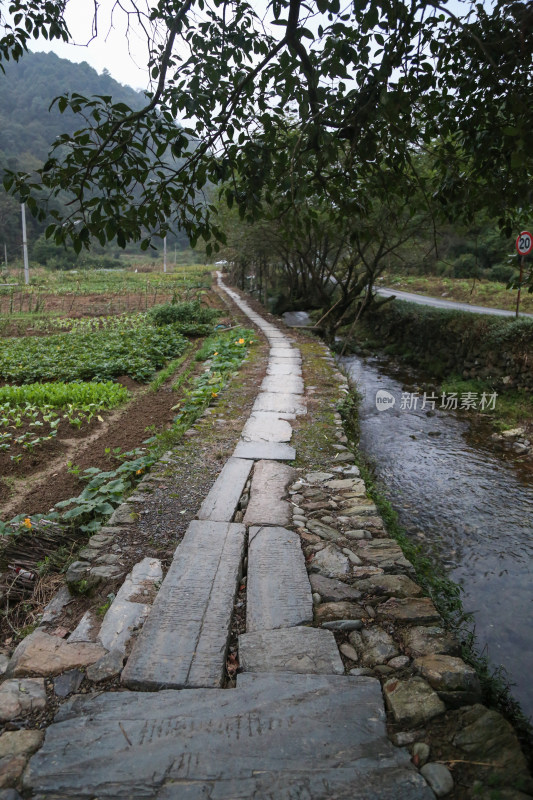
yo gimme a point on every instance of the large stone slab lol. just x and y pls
(41, 654)
(274, 451)
(280, 403)
(266, 427)
(278, 589)
(269, 485)
(288, 383)
(286, 352)
(183, 643)
(283, 367)
(277, 736)
(223, 498)
(124, 615)
(302, 650)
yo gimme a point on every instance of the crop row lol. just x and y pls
(101, 355)
(29, 415)
(223, 354)
(80, 396)
(117, 281)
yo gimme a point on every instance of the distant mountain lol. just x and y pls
(27, 127)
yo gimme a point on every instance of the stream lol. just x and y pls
(470, 504)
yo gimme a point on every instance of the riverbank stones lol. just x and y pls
(457, 683)
(331, 562)
(412, 702)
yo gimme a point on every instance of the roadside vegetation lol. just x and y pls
(475, 291)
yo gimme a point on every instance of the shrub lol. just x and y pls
(502, 273)
(190, 312)
(466, 266)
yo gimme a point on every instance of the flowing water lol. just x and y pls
(471, 505)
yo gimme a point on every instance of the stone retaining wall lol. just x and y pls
(496, 349)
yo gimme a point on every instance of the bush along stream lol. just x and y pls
(33, 544)
(462, 515)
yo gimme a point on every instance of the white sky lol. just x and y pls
(126, 56)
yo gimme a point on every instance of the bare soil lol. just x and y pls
(82, 305)
(126, 428)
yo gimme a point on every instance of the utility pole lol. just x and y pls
(522, 262)
(25, 245)
(165, 254)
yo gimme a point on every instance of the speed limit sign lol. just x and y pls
(524, 243)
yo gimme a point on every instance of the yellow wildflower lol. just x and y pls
(27, 522)
(139, 472)
(241, 341)
(215, 354)
(214, 394)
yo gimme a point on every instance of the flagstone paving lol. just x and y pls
(184, 640)
(294, 727)
(221, 502)
(276, 736)
(278, 590)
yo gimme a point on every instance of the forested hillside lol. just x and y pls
(28, 88)
(27, 127)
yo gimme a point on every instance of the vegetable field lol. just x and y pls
(88, 401)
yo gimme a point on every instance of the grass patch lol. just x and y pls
(511, 408)
(312, 434)
(123, 350)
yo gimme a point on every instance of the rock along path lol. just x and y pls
(295, 726)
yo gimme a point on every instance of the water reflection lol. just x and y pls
(471, 507)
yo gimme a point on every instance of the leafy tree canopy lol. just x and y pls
(313, 99)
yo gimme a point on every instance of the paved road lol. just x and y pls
(448, 304)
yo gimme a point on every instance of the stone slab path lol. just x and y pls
(221, 502)
(272, 737)
(184, 640)
(295, 727)
(278, 591)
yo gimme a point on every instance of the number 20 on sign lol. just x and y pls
(524, 243)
